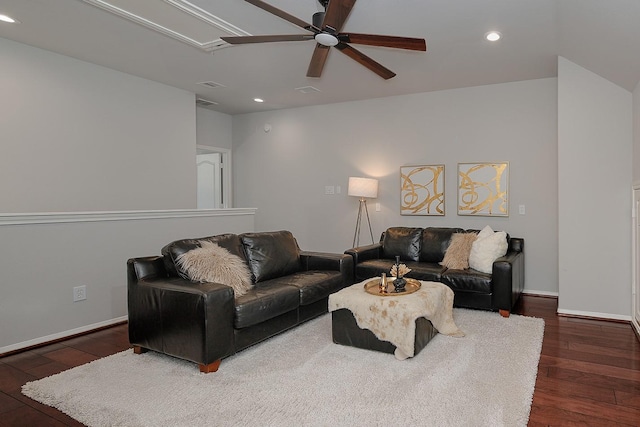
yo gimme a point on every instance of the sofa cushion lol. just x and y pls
(488, 247)
(314, 284)
(265, 301)
(435, 241)
(402, 241)
(457, 254)
(214, 264)
(271, 254)
(173, 250)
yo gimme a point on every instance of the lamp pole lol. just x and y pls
(356, 236)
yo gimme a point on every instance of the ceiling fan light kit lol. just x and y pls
(326, 39)
(326, 27)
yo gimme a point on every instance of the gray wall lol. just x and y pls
(213, 128)
(46, 256)
(595, 146)
(284, 172)
(80, 137)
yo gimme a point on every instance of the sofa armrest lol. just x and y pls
(508, 278)
(365, 253)
(145, 268)
(192, 321)
(329, 261)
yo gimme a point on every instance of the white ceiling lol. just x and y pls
(600, 35)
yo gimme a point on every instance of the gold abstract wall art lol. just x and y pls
(483, 189)
(422, 190)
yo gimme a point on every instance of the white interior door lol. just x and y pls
(210, 183)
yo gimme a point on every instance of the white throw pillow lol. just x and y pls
(488, 247)
(485, 232)
(212, 263)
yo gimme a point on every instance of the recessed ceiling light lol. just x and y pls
(5, 18)
(258, 99)
(493, 36)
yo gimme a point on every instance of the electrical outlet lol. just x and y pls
(79, 293)
(329, 189)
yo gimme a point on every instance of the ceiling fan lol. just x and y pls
(325, 29)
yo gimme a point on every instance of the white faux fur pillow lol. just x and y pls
(211, 263)
(488, 247)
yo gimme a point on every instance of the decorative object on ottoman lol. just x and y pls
(374, 287)
(398, 271)
(382, 289)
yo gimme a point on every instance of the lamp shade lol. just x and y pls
(363, 187)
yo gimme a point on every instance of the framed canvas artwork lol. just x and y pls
(422, 190)
(483, 189)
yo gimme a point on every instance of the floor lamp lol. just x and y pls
(362, 187)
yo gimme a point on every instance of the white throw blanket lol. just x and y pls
(393, 318)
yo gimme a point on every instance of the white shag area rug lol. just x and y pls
(301, 378)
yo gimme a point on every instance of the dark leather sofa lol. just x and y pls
(204, 322)
(423, 249)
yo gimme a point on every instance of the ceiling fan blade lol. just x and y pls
(337, 13)
(317, 60)
(268, 39)
(384, 41)
(363, 59)
(280, 13)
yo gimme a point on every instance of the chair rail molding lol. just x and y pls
(71, 217)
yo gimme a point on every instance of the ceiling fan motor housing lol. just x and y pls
(318, 19)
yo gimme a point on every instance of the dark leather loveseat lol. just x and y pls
(204, 322)
(423, 249)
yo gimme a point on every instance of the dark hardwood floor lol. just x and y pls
(589, 371)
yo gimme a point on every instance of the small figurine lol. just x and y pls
(399, 270)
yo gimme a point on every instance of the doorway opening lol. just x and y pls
(214, 177)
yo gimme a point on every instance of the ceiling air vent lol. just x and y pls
(211, 85)
(307, 89)
(205, 102)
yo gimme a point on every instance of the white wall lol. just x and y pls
(284, 172)
(213, 128)
(47, 255)
(80, 137)
(594, 180)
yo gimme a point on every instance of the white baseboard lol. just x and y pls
(543, 293)
(595, 315)
(61, 335)
(635, 325)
